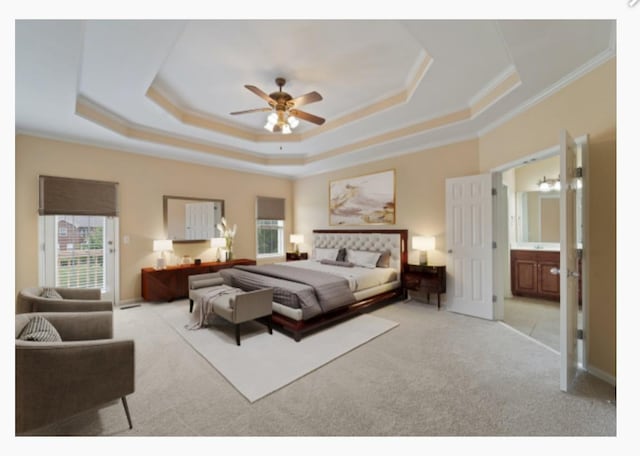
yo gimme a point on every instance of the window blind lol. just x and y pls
(69, 196)
(270, 208)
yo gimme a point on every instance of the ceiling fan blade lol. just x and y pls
(261, 94)
(308, 117)
(308, 98)
(251, 110)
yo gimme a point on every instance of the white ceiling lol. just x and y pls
(389, 87)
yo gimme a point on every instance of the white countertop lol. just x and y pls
(546, 246)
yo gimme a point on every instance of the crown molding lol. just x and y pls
(592, 64)
(392, 154)
(183, 115)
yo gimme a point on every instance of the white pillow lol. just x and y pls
(325, 254)
(363, 258)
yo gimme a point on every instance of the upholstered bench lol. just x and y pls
(201, 284)
(237, 307)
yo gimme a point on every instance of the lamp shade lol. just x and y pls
(160, 245)
(296, 238)
(423, 242)
(217, 242)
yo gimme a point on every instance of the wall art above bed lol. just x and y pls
(363, 200)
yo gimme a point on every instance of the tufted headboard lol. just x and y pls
(369, 240)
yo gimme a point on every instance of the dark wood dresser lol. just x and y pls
(172, 283)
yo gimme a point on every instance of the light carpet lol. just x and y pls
(264, 362)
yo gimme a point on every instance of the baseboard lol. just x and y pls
(127, 303)
(602, 375)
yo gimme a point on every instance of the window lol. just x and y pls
(78, 233)
(270, 238)
(269, 227)
(80, 263)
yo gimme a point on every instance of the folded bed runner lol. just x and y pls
(332, 291)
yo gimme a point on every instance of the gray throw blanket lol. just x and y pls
(332, 291)
(204, 305)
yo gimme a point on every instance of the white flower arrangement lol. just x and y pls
(227, 233)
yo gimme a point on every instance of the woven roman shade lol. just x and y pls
(69, 196)
(270, 208)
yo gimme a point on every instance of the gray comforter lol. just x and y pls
(312, 291)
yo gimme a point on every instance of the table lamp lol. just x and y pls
(423, 243)
(296, 239)
(217, 243)
(161, 246)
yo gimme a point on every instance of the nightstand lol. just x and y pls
(293, 256)
(432, 279)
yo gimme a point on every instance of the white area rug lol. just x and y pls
(264, 363)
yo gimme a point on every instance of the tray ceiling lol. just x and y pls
(166, 88)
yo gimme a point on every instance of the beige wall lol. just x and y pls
(528, 176)
(142, 183)
(420, 192)
(587, 106)
(550, 218)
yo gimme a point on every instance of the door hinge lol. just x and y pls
(579, 253)
(494, 245)
(580, 334)
(494, 298)
(579, 171)
(494, 191)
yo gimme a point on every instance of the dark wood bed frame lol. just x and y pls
(297, 329)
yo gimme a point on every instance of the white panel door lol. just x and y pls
(568, 262)
(469, 246)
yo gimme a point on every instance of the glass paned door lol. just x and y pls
(79, 252)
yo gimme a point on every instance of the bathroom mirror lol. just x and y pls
(189, 219)
(538, 216)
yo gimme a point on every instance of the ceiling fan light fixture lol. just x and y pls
(293, 121)
(272, 120)
(282, 106)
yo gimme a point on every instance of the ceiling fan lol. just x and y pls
(283, 107)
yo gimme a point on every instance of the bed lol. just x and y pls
(347, 272)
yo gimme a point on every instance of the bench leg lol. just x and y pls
(238, 333)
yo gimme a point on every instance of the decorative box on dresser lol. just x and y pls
(172, 283)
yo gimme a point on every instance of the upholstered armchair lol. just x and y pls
(86, 369)
(71, 300)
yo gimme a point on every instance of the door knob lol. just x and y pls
(554, 271)
(449, 251)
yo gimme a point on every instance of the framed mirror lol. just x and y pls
(189, 219)
(538, 216)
